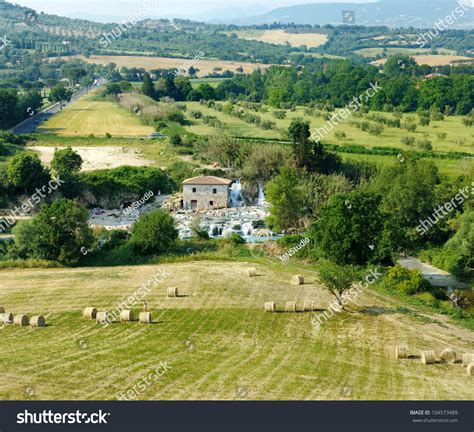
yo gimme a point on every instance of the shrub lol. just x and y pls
(340, 135)
(280, 114)
(441, 135)
(424, 121)
(407, 140)
(408, 282)
(424, 144)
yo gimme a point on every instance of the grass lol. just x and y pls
(216, 339)
(88, 116)
(213, 82)
(446, 167)
(459, 137)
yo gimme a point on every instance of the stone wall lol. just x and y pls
(204, 195)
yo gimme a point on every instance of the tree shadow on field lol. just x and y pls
(378, 310)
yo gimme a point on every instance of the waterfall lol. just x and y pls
(235, 194)
(261, 196)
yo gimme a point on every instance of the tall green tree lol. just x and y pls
(348, 230)
(154, 233)
(286, 201)
(148, 88)
(66, 161)
(25, 172)
(58, 233)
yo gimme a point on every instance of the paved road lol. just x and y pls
(30, 124)
(433, 275)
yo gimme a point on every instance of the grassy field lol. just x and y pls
(216, 339)
(372, 52)
(459, 137)
(281, 37)
(205, 66)
(446, 167)
(88, 116)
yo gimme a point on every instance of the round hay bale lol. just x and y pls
(2, 309)
(449, 355)
(308, 306)
(126, 315)
(470, 369)
(172, 292)
(37, 321)
(145, 318)
(297, 280)
(21, 320)
(270, 307)
(401, 351)
(467, 358)
(89, 313)
(252, 272)
(290, 306)
(428, 357)
(102, 318)
(6, 318)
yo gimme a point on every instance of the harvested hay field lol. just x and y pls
(217, 338)
(105, 157)
(87, 116)
(434, 60)
(205, 66)
(280, 37)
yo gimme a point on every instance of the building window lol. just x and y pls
(211, 203)
(214, 191)
(194, 190)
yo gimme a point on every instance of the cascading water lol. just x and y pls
(235, 194)
(261, 196)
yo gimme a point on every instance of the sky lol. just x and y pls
(109, 10)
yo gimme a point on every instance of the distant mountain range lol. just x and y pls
(392, 13)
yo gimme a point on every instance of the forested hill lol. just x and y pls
(393, 13)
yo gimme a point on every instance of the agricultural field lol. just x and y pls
(205, 66)
(216, 340)
(88, 116)
(458, 137)
(281, 37)
(434, 60)
(372, 52)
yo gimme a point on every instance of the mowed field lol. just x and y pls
(88, 116)
(434, 60)
(205, 66)
(280, 37)
(216, 339)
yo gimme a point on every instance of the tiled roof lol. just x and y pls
(207, 180)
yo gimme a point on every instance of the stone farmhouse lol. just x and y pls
(206, 192)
